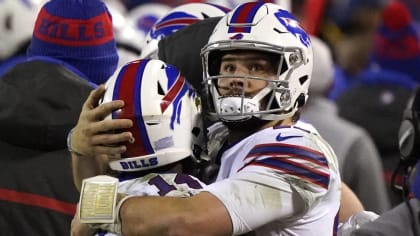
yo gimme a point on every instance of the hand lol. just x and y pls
(80, 229)
(355, 221)
(94, 135)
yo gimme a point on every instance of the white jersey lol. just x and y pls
(171, 185)
(280, 181)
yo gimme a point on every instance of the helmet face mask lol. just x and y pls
(164, 110)
(269, 30)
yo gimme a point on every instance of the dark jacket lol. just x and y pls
(183, 47)
(40, 102)
(397, 221)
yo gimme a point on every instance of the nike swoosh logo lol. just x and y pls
(283, 138)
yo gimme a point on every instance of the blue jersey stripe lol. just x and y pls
(281, 149)
(301, 171)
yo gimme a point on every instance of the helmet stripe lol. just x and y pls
(222, 8)
(177, 87)
(167, 27)
(172, 93)
(244, 15)
(128, 87)
(172, 97)
(180, 21)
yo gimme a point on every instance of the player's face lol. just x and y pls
(245, 63)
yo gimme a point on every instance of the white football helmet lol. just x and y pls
(286, 4)
(17, 20)
(176, 19)
(146, 15)
(138, 22)
(164, 110)
(263, 27)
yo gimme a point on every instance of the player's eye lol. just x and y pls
(228, 68)
(256, 68)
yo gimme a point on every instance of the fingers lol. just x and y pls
(105, 109)
(110, 126)
(94, 97)
(106, 143)
(102, 111)
(108, 139)
(110, 143)
(94, 134)
(109, 150)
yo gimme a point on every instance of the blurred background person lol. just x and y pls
(40, 103)
(349, 28)
(72, 48)
(404, 219)
(79, 33)
(17, 19)
(377, 96)
(132, 26)
(359, 161)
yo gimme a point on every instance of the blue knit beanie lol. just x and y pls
(397, 42)
(78, 32)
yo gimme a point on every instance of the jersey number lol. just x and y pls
(164, 187)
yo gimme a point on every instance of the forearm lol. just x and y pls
(252, 204)
(84, 167)
(202, 214)
(350, 203)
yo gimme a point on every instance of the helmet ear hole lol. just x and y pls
(303, 79)
(8, 22)
(160, 89)
(301, 100)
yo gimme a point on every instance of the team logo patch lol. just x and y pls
(177, 87)
(292, 25)
(145, 23)
(172, 23)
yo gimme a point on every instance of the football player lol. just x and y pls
(276, 176)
